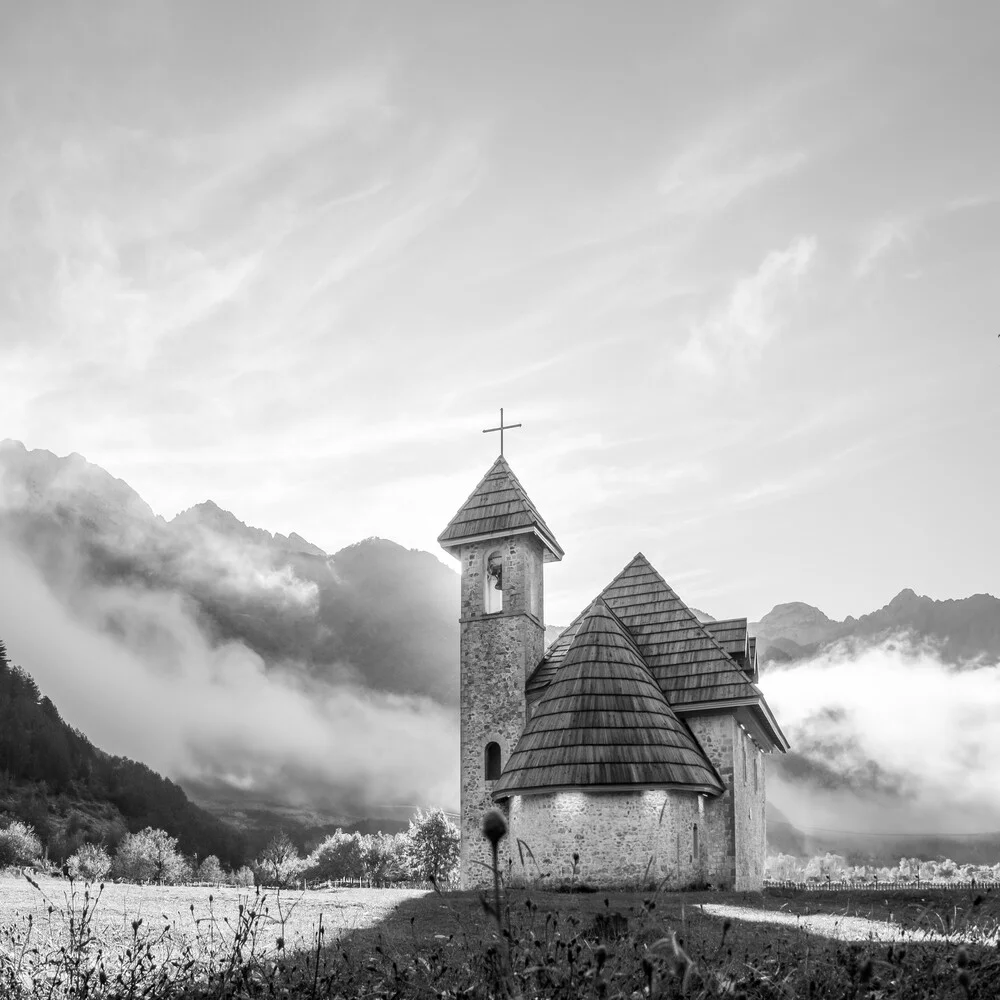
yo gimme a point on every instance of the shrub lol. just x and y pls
(89, 862)
(19, 845)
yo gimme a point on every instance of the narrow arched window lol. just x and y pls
(744, 763)
(697, 853)
(755, 773)
(492, 761)
(493, 587)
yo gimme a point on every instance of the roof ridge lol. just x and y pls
(694, 617)
(498, 506)
(604, 683)
(600, 608)
(477, 487)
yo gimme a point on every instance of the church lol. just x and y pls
(631, 751)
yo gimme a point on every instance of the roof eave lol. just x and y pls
(553, 551)
(775, 735)
(705, 789)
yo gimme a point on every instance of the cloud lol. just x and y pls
(887, 739)
(724, 160)
(704, 180)
(884, 236)
(741, 329)
(134, 671)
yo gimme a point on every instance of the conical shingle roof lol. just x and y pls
(603, 722)
(689, 664)
(498, 506)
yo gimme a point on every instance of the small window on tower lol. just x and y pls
(492, 761)
(493, 598)
(697, 852)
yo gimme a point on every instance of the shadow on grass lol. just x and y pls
(655, 944)
(544, 944)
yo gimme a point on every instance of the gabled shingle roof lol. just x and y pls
(730, 634)
(689, 665)
(603, 722)
(498, 506)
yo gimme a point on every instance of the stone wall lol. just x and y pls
(716, 734)
(735, 835)
(621, 838)
(751, 837)
(498, 651)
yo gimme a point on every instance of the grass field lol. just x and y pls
(405, 943)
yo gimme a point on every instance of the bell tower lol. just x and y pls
(502, 543)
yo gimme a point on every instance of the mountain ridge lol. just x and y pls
(963, 630)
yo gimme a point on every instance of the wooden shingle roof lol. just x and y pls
(603, 723)
(498, 506)
(687, 662)
(730, 634)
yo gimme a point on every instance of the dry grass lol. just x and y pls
(381, 943)
(187, 909)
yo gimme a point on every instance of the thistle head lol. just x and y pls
(494, 826)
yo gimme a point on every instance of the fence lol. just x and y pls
(824, 885)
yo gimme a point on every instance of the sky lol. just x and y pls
(732, 266)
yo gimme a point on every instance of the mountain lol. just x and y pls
(962, 631)
(71, 792)
(375, 611)
(883, 849)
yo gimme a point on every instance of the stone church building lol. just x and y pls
(635, 743)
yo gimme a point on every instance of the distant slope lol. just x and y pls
(962, 631)
(385, 613)
(53, 777)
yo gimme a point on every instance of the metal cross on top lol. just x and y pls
(503, 427)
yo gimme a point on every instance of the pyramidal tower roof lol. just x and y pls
(604, 723)
(498, 506)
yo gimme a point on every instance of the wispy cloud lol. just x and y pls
(705, 179)
(738, 331)
(832, 465)
(883, 238)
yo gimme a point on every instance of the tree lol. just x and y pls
(19, 845)
(243, 877)
(149, 856)
(341, 855)
(434, 846)
(385, 857)
(784, 867)
(89, 862)
(210, 870)
(279, 863)
(826, 865)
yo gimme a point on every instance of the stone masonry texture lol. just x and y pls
(735, 820)
(497, 651)
(627, 838)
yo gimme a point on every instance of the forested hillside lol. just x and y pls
(54, 778)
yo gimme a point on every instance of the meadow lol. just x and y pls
(60, 939)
